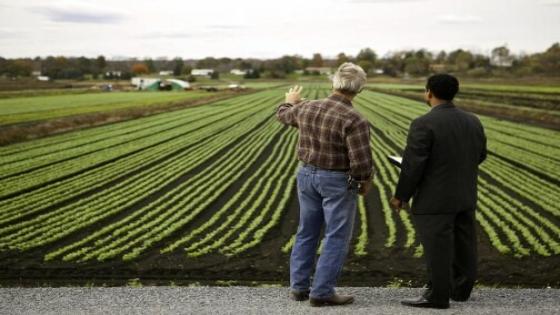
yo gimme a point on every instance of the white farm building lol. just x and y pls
(238, 72)
(202, 72)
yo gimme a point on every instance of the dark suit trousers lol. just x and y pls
(449, 242)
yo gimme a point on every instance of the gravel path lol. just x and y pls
(249, 300)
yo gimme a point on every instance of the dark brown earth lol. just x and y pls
(266, 264)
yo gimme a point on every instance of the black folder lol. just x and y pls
(395, 160)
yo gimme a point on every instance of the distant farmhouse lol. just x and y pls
(501, 61)
(438, 67)
(37, 74)
(238, 72)
(166, 72)
(202, 72)
(113, 74)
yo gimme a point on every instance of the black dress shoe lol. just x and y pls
(333, 300)
(423, 302)
(299, 295)
(459, 298)
(427, 293)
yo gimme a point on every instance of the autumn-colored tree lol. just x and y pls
(139, 68)
(317, 60)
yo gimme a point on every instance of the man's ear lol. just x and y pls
(428, 95)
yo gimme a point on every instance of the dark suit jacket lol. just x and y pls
(440, 161)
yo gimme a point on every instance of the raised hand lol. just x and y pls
(294, 95)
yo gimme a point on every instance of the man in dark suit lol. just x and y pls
(439, 171)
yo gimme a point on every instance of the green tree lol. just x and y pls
(441, 57)
(366, 65)
(367, 59)
(287, 64)
(207, 63)
(341, 58)
(367, 54)
(100, 63)
(85, 65)
(150, 65)
(19, 68)
(461, 60)
(244, 65)
(59, 68)
(187, 69)
(178, 66)
(252, 74)
(417, 66)
(549, 61)
(3, 65)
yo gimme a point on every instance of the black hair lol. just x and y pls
(443, 86)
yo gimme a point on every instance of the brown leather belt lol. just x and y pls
(327, 169)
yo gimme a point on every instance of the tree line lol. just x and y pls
(414, 63)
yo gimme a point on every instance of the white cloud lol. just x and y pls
(78, 12)
(458, 19)
(550, 3)
(226, 27)
(9, 33)
(256, 28)
(166, 35)
(384, 1)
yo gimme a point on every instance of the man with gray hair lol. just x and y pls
(335, 166)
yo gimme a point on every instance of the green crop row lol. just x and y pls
(24, 109)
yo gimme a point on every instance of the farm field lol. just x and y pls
(208, 194)
(26, 109)
(535, 104)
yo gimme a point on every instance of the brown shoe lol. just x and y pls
(333, 300)
(299, 296)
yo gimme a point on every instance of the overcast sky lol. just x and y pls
(268, 29)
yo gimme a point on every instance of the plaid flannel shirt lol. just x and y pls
(332, 135)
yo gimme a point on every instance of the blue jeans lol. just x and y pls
(324, 196)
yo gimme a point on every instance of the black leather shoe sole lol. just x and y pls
(425, 304)
(318, 302)
(459, 299)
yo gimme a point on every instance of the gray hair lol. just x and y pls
(349, 78)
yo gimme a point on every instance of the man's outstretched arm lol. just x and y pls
(286, 113)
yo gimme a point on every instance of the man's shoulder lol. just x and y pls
(438, 118)
(423, 119)
(468, 116)
(345, 110)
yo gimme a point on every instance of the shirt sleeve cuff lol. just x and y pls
(361, 178)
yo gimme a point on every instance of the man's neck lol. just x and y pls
(438, 102)
(343, 95)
